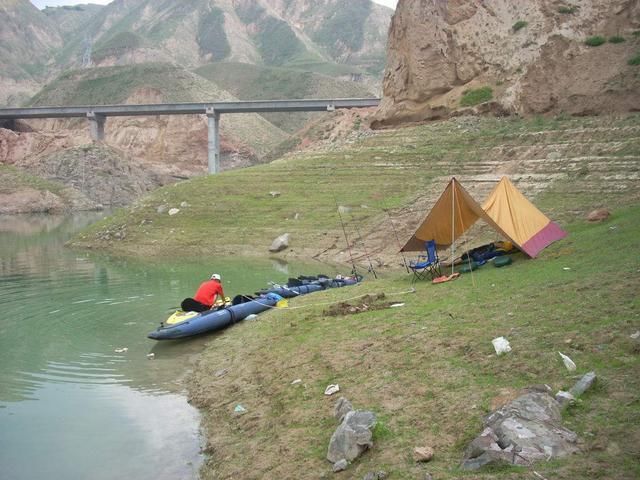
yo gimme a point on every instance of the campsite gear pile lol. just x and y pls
(506, 210)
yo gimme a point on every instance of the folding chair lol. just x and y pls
(426, 264)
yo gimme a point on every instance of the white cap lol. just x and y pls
(215, 276)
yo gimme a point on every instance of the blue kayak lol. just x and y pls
(187, 324)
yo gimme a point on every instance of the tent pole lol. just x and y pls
(464, 236)
(453, 223)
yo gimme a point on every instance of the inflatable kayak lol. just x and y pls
(187, 324)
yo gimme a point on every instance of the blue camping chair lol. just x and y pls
(428, 264)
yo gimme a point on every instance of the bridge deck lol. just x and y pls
(188, 108)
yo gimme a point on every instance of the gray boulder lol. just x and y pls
(280, 243)
(523, 431)
(352, 437)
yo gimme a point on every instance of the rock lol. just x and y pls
(598, 215)
(340, 465)
(352, 437)
(275, 194)
(344, 210)
(381, 475)
(584, 384)
(343, 406)
(422, 454)
(184, 205)
(525, 430)
(174, 211)
(280, 243)
(564, 398)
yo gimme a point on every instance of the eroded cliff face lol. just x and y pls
(531, 53)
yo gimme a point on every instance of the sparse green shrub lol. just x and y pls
(212, 38)
(595, 41)
(636, 33)
(567, 10)
(519, 25)
(635, 60)
(476, 96)
(617, 39)
(582, 171)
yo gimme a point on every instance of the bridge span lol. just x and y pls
(97, 114)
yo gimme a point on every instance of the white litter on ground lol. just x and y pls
(568, 362)
(331, 389)
(501, 345)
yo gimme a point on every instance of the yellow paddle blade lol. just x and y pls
(284, 303)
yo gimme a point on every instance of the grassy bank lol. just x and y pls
(428, 369)
(566, 166)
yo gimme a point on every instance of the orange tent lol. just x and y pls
(506, 210)
(526, 226)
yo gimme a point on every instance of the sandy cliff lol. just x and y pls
(532, 53)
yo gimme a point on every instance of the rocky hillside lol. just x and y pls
(527, 57)
(177, 142)
(28, 42)
(312, 35)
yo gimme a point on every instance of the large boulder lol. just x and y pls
(352, 437)
(523, 431)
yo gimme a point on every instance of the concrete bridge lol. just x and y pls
(97, 114)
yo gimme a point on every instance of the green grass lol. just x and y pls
(567, 10)
(520, 24)
(13, 179)
(634, 60)
(428, 369)
(476, 96)
(595, 41)
(617, 39)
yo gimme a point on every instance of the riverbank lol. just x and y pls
(428, 369)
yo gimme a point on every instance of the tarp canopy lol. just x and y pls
(525, 225)
(506, 210)
(453, 214)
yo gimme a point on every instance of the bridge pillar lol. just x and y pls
(213, 119)
(96, 126)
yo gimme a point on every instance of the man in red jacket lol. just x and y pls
(206, 296)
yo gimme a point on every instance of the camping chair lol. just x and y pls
(426, 264)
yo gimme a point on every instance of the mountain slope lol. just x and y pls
(270, 32)
(254, 82)
(174, 140)
(27, 42)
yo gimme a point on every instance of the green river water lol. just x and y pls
(71, 407)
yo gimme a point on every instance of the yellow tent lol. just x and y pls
(526, 226)
(506, 210)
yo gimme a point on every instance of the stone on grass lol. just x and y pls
(340, 465)
(598, 215)
(343, 406)
(584, 384)
(381, 475)
(280, 243)
(161, 209)
(422, 454)
(352, 437)
(523, 431)
(174, 211)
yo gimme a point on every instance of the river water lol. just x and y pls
(73, 405)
